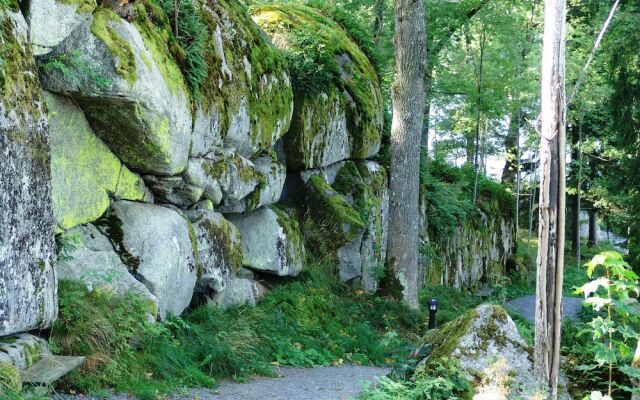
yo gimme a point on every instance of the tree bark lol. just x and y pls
(408, 96)
(593, 228)
(575, 201)
(377, 20)
(551, 233)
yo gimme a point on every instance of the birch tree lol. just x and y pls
(408, 96)
(551, 233)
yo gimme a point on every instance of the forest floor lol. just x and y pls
(320, 383)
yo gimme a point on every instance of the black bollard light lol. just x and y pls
(433, 309)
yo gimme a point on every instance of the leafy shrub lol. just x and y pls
(603, 353)
(442, 380)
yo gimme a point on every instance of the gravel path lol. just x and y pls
(323, 383)
(526, 306)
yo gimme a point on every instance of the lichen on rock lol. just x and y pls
(332, 123)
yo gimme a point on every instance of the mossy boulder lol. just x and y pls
(22, 350)
(94, 262)
(246, 101)
(347, 215)
(271, 241)
(51, 21)
(330, 221)
(132, 91)
(27, 280)
(158, 246)
(343, 118)
(85, 173)
(486, 344)
(219, 251)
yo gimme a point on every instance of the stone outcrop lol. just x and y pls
(271, 241)
(157, 246)
(129, 87)
(476, 253)
(486, 344)
(342, 120)
(27, 280)
(247, 98)
(238, 292)
(85, 173)
(22, 350)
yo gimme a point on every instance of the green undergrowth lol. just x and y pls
(310, 321)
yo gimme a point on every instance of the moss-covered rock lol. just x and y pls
(133, 93)
(51, 21)
(361, 186)
(85, 174)
(271, 241)
(27, 280)
(22, 350)
(219, 250)
(486, 344)
(342, 120)
(246, 100)
(330, 222)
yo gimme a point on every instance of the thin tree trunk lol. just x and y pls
(176, 15)
(478, 70)
(593, 228)
(579, 195)
(377, 21)
(575, 212)
(552, 199)
(408, 97)
(518, 175)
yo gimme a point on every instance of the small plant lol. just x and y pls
(75, 67)
(615, 326)
(66, 245)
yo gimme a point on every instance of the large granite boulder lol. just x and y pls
(129, 86)
(486, 344)
(246, 101)
(219, 250)
(92, 260)
(271, 241)
(51, 21)
(343, 119)
(27, 281)
(85, 174)
(158, 247)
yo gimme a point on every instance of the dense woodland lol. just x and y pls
(477, 66)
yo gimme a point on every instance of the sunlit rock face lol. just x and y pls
(27, 281)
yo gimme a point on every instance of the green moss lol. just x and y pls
(330, 219)
(84, 6)
(118, 47)
(226, 238)
(232, 84)
(153, 25)
(305, 34)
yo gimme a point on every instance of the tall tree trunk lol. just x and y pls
(478, 69)
(511, 145)
(551, 233)
(575, 206)
(593, 228)
(408, 97)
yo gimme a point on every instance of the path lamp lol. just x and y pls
(433, 309)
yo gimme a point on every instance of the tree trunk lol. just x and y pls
(408, 97)
(377, 21)
(511, 145)
(593, 228)
(551, 233)
(575, 201)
